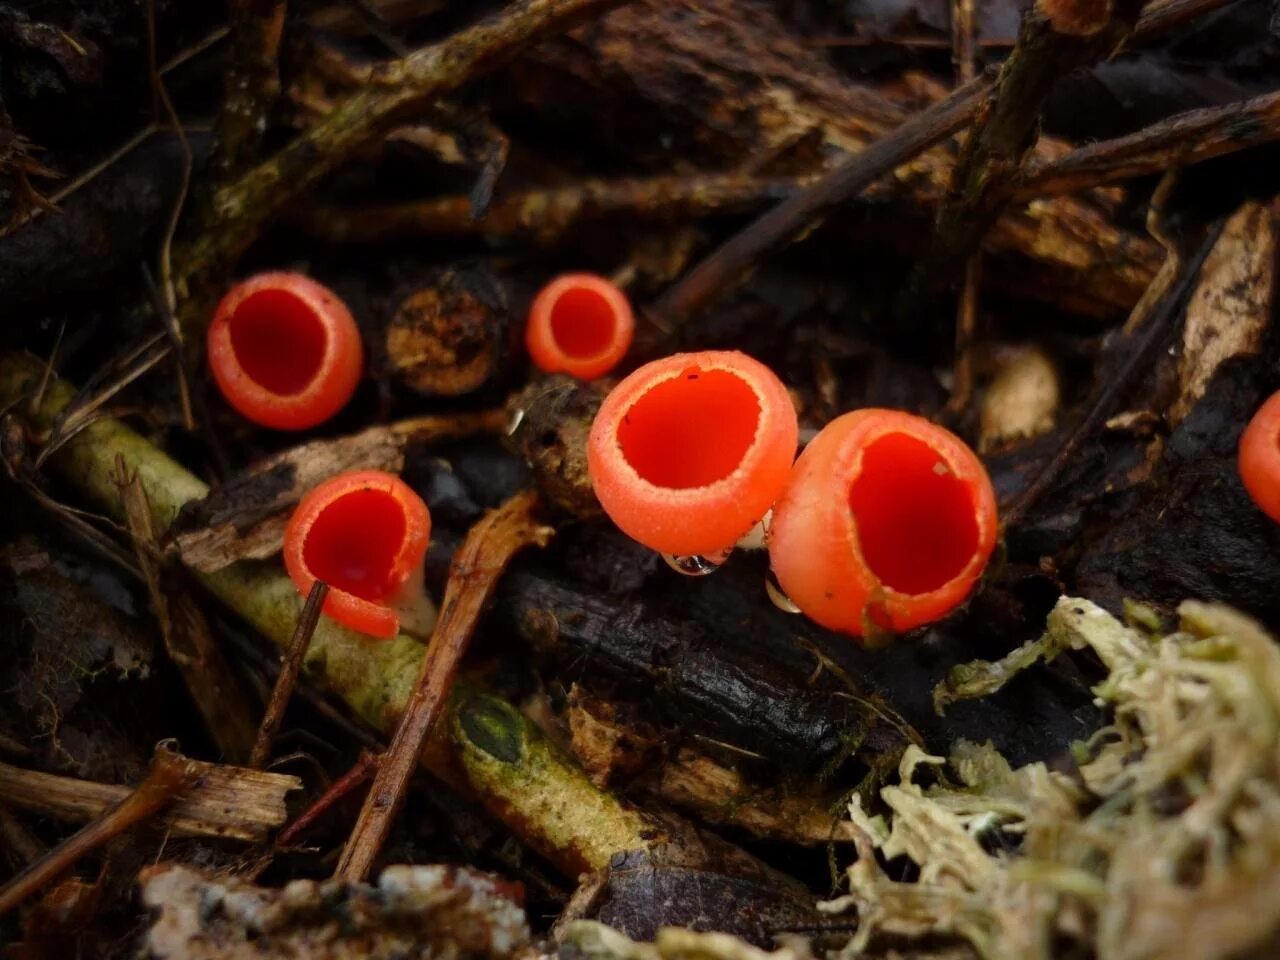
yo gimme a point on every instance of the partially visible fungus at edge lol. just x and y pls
(689, 452)
(886, 524)
(284, 350)
(579, 324)
(1260, 457)
(365, 534)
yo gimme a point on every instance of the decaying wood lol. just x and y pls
(245, 517)
(170, 775)
(718, 794)
(550, 420)
(728, 79)
(474, 573)
(1231, 308)
(234, 803)
(449, 335)
(761, 709)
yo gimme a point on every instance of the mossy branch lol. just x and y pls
(539, 793)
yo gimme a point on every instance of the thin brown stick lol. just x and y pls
(1181, 140)
(1153, 332)
(360, 771)
(966, 335)
(477, 565)
(170, 774)
(792, 216)
(963, 55)
(288, 676)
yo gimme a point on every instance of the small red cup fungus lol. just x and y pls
(284, 351)
(689, 452)
(887, 523)
(579, 324)
(1260, 458)
(363, 533)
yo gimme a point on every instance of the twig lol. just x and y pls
(962, 54)
(163, 99)
(229, 802)
(288, 676)
(1056, 36)
(1181, 140)
(360, 771)
(545, 214)
(170, 324)
(728, 262)
(1146, 340)
(170, 774)
(242, 207)
(475, 570)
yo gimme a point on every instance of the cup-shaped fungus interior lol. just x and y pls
(915, 520)
(278, 340)
(692, 430)
(582, 322)
(354, 541)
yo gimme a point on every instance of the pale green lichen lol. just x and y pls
(1166, 845)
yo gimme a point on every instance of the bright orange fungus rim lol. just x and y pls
(887, 522)
(580, 324)
(1259, 457)
(366, 531)
(285, 351)
(689, 452)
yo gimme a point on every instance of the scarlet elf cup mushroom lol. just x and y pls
(689, 452)
(284, 351)
(365, 534)
(579, 324)
(887, 522)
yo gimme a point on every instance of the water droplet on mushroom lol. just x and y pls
(695, 565)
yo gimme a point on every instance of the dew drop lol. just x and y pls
(695, 565)
(777, 597)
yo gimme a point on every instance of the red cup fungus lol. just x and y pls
(689, 452)
(284, 351)
(886, 524)
(1260, 458)
(365, 534)
(579, 324)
